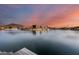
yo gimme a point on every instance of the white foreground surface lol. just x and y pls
(23, 51)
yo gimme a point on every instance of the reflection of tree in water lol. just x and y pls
(77, 32)
(13, 32)
(34, 32)
(40, 32)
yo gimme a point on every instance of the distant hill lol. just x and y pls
(14, 25)
(66, 28)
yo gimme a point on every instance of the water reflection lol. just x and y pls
(34, 32)
(40, 32)
(12, 32)
(51, 42)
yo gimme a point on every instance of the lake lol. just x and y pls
(53, 42)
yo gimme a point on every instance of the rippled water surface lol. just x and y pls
(44, 43)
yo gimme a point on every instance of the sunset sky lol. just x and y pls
(53, 15)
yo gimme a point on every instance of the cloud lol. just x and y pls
(52, 14)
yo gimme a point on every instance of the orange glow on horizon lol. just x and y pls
(67, 20)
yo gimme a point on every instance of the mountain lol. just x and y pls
(65, 28)
(12, 25)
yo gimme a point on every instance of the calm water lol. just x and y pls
(43, 43)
